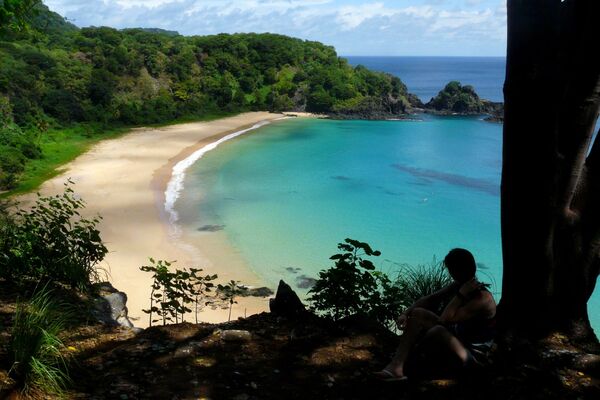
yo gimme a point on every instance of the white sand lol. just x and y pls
(124, 180)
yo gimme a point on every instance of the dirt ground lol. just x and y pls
(279, 358)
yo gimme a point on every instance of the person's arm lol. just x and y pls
(429, 302)
(461, 309)
(432, 301)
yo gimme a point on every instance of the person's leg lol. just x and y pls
(419, 322)
(439, 340)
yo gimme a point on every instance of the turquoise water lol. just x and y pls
(287, 193)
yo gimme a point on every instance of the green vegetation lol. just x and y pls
(457, 99)
(51, 242)
(172, 292)
(416, 282)
(14, 14)
(58, 80)
(229, 292)
(353, 286)
(36, 351)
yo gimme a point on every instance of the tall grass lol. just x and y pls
(414, 282)
(38, 363)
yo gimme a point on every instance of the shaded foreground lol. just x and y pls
(298, 357)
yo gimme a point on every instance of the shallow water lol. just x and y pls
(286, 194)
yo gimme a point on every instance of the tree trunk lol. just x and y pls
(550, 179)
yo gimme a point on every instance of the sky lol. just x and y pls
(353, 27)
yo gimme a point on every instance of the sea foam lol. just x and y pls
(175, 185)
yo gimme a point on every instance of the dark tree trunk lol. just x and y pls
(550, 177)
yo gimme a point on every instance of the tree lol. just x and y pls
(14, 14)
(550, 177)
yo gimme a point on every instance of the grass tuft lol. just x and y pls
(415, 282)
(35, 348)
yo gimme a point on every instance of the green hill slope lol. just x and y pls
(55, 75)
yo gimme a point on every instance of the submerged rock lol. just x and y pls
(258, 292)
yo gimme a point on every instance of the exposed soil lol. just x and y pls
(307, 358)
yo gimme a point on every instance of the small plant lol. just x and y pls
(35, 349)
(172, 292)
(351, 286)
(229, 292)
(52, 242)
(201, 289)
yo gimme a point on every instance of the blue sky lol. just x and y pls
(354, 27)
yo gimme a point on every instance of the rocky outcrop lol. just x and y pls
(372, 108)
(110, 306)
(456, 98)
(463, 100)
(494, 110)
(257, 292)
(286, 302)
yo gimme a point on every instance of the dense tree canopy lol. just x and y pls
(15, 13)
(55, 74)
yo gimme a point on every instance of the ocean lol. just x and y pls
(287, 193)
(426, 76)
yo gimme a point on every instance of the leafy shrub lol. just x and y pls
(52, 242)
(351, 286)
(36, 351)
(172, 292)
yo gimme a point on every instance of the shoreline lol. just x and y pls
(124, 180)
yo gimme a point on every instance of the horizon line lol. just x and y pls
(432, 56)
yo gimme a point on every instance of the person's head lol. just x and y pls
(461, 264)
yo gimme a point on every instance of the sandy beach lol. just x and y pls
(124, 181)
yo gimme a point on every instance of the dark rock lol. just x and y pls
(110, 307)
(258, 292)
(456, 99)
(286, 302)
(414, 101)
(211, 228)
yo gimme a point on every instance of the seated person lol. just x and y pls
(465, 326)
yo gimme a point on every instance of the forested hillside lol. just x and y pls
(55, 75)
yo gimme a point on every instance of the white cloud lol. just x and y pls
(447, 20)
(352, 16)
(142, 3)
(466, 27)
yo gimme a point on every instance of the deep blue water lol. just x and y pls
(426, 76)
